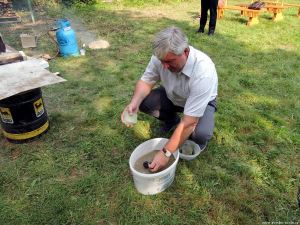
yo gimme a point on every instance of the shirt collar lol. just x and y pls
(188, 67)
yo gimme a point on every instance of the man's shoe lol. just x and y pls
(200, 30)
(211, 32)
(169, 126)
(203, 146)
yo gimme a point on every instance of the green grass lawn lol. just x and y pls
(78, 172)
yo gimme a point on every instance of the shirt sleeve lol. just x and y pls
(151, 74)
(201, 90)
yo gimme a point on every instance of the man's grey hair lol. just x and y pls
(171, 39)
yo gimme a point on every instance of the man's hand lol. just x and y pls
(142, 89)
(131, 109)
(159, 161)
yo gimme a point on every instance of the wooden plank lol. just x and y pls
(282, 4)
(23, 76)
(240, 8)
(30, 64)
(14, 19)
(292, 5)
(10, 57)
(275, 7)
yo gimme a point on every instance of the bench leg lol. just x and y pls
(277, 16)
(220, 13)
(252, 21)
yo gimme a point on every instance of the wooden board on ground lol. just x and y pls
(12, 19)
(10, 57)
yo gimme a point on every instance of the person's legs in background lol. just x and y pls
(158, 105)
(203, 19)
(213, 16)
(205, 127)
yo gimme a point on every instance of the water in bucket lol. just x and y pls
(148, 157)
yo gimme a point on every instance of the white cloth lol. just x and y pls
(192, 88)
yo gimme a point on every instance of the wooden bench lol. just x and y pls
(276, 10)
(289, 5)
(274, 7)
(285, 5)
(250, 13)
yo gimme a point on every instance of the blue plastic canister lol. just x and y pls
(66, 39)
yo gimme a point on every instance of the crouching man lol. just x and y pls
(188, 84)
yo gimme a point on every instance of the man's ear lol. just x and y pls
(186, 51)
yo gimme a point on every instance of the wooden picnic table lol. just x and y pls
(250, 13)
(291, 5)
(285, 5)
(275, 8)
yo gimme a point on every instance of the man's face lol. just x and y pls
(175, 63)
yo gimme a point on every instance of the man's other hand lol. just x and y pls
(131, 109)
(159, 161)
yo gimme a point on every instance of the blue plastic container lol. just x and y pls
(66, 39)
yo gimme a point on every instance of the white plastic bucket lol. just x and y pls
(197, 150)
(150, 184)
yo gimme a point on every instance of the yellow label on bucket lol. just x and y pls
(39, 107)
(6, 116)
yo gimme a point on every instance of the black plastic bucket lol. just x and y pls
(23, 116)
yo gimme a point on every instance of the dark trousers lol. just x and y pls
(158, 105)
(210, 5)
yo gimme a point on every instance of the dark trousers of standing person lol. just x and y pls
(158, 105)
(210, 5)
